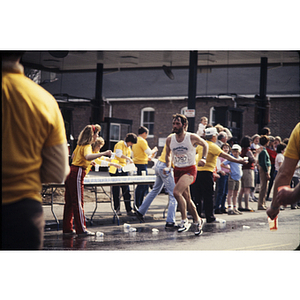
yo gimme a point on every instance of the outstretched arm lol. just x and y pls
(239, 160)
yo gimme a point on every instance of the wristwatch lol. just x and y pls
(203, 157)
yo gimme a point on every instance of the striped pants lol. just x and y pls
(74, 201)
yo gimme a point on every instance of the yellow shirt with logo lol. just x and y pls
(211, 160)
(31, 121)
(138, 149)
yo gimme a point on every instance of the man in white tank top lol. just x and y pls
(182, 146)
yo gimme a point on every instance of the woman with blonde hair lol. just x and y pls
(81, 159)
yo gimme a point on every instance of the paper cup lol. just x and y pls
(143, 173)
(273, 224)
(97, 168)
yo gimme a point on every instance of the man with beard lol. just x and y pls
(182, 145)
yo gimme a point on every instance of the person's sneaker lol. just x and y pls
(139, 216)
(130, 213)
(198, 229)
(232, 212)
(184, 225)
(73, 232)
(118, 212)
(170, 225)
(87, 233)
(218, 211)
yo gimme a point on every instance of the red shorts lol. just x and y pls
(191, 170)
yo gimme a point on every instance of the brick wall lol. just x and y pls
(284, 114)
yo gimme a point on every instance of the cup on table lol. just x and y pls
(96, 167)
(143, 173)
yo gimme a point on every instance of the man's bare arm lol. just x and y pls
(168, 152)
(283, 177)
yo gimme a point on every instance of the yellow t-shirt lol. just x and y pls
(293, 147)
(79, 156)
(211, 159)
(98, 161)
(125, 151)
(162, 157)
(138, 149)
(31, 120)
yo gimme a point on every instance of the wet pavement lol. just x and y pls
(249, 231)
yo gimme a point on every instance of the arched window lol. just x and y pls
(147, 119)
(212, 116)
(183, 110)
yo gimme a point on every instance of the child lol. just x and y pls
(101, 161)
(234, 180)
(222, 186)
(81, 159)
(202, 126)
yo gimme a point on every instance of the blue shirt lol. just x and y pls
(236, 169)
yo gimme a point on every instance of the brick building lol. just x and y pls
(148, 97)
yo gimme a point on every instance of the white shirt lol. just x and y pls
(279, 159)
(184, 153)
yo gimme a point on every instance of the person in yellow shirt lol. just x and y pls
(203, 187)
(141, 153)
(122, 154)
(34, 151)
(285, 173)
(102, 161)
(81, 159)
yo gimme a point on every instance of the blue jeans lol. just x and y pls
(222, 192)
(141, 190)
(161, 180)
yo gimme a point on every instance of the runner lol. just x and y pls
(182, 146)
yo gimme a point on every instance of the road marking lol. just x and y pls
(264, 246)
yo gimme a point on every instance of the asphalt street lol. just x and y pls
(249, 231)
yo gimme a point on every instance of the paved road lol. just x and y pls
(249, 231)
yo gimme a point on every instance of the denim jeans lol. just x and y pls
(161, 180)
(222, 192)
(141, 190)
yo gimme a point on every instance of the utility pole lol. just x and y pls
(192, 90)
(262, 105)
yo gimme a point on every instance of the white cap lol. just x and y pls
(236, 147)
(211, 131)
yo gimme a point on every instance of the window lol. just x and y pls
(183, 110)
(114, 132)
(147, 119)
(212, 116)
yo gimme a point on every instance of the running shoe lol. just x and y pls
(86, 233)
(184, 225)
(139, 216)
(198, 229)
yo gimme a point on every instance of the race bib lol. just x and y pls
(180, 159)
